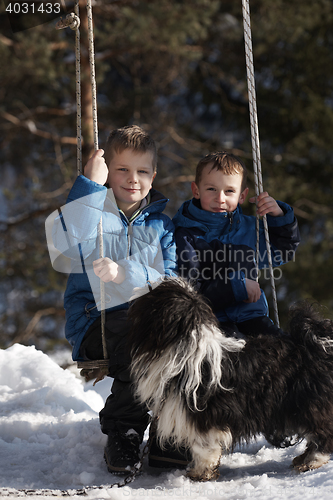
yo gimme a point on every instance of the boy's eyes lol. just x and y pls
(124, 169)
(227, 190)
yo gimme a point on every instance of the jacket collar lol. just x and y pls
(191, 215)
(154, 202)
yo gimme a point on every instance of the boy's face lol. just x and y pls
(219, 192)
(131, 175)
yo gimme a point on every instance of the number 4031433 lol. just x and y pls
(33, 7)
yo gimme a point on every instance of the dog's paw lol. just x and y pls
(207, 475)
(310, 461)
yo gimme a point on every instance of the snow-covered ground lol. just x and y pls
(50, 439)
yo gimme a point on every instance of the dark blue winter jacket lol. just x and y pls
(218, 251)
(144, 246)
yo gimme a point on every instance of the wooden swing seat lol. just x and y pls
(96, 369)
(93, 365)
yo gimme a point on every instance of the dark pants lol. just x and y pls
(252, 328)
(121, 411)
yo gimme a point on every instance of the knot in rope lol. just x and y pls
(71, 21)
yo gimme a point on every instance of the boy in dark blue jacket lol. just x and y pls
(216, 243)
(139, 248)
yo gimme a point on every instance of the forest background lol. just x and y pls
(176, 68)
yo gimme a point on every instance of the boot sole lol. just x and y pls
(118, 470)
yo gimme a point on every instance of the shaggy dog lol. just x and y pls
(211, 391)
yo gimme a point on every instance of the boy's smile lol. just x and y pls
(219, 192)
(131, 175)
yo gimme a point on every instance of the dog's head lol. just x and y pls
(166, 315)
(177, 347)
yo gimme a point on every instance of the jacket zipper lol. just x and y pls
(129, 234)
(231, 220)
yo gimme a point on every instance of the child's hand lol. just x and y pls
(253, 291)
(96, 169)
(267, 205)
(107, 270)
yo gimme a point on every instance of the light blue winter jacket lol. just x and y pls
(144, 246)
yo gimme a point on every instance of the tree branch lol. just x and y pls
(28, 332)
(13, 221)
(31, 126)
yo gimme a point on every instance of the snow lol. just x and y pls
(50, 439)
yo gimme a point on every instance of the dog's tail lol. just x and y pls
(176, 343)
(307, 326)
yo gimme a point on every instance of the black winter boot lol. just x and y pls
(169, 457)
(122, 451)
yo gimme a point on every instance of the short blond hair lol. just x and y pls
(131, 137)
(225, 162)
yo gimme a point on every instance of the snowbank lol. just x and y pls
(50, 438)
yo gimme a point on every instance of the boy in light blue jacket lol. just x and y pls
(138, 248)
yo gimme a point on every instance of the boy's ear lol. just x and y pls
(152, 180)
(243, 196)
(195, 190)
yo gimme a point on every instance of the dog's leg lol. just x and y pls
(206, 452)
(312, 458)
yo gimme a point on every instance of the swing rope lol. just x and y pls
(256, 148)
(73, 21)
(78, 90)
(95, 128)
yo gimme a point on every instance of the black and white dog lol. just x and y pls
(211, 391)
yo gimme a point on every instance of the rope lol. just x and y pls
(78, 92)
(92, 72)
(256, 147)
(95, 127)
(73, 21)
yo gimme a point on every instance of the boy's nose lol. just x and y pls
(132, 178)
(220, 196)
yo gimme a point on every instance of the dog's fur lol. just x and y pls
(211, 391)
